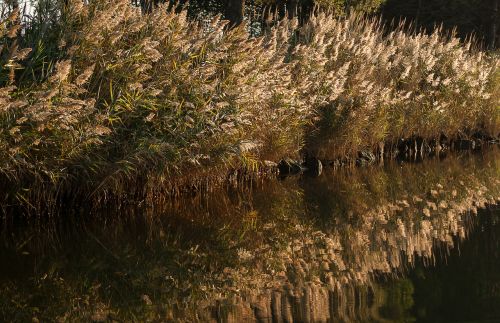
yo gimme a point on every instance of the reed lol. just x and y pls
(147, 101)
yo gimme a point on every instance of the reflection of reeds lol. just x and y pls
(296, 242)
(155, 102)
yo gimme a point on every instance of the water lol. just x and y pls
(398, 243)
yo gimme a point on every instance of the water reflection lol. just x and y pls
(301, 249)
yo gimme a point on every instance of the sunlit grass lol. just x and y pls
(131, 102)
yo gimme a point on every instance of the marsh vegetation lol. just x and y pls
(103, 97)
(120, 122)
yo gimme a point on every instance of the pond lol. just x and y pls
(399, 242)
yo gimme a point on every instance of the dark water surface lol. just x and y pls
(399, 243)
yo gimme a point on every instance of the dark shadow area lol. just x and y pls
(470, 17)
(467, 286)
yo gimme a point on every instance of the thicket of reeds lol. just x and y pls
(103, 98)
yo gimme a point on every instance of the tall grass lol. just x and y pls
(368, 86)
(155, 100)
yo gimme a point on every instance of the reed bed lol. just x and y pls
(133, 102)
